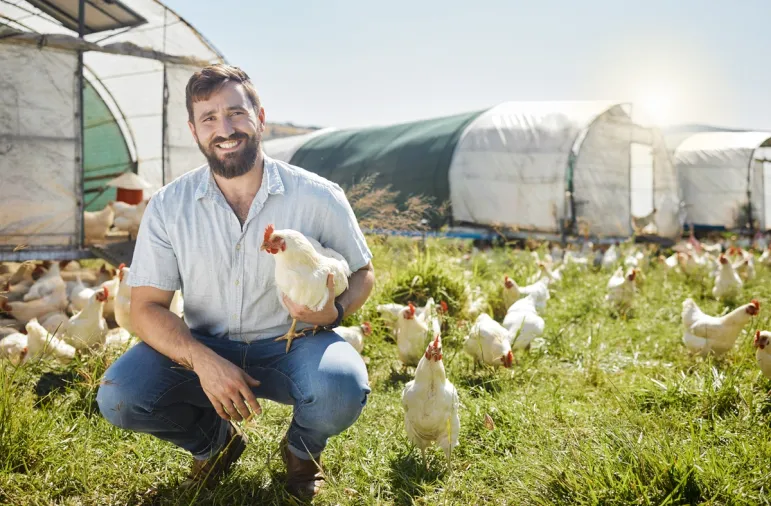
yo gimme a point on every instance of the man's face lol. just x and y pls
(228, 131)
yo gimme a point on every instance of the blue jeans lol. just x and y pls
(322, 376)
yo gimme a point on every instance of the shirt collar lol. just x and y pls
(207, 187)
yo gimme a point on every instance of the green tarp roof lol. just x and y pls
(412, 157)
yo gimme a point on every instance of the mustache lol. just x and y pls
(235, 137)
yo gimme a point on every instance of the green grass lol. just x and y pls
(607, 410)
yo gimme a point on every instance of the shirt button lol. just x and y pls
(236, 282)
(238, 246)
(235, 316)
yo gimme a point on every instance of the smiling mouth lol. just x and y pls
(228, 145)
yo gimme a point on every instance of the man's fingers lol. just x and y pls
(251, 399)
(243, 411)
(331, 281)
(251, 381)
(218, 407)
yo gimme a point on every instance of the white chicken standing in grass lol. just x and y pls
(765, 258)
(763, 351)
(302, 268)
(13, 348)
(512, 292)
(704, 334)
(727, 282)
(413, 330)
(523, 323)
(122, 303)
(355, 335)
(431, 404)
(487, 341)
(41, 344)
(88, 328)
(622, 288)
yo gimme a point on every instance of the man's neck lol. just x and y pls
(245, 187)
(240, 191)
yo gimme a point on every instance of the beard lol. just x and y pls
(233, 164)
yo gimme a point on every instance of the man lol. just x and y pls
(188, 381)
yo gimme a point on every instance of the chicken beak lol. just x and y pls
(264, 247)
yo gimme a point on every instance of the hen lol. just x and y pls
(302, 268)
(88, 328)
(622, 288)
(523, 323)
(13, 348)
(727, 282)
(41, 344)
(122, 303)
(704, 334)
(97, 224)
(763, 351)
(412, 331)
(355, 335)
(431, 404)
(487, 341)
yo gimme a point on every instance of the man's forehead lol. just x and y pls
(230, 94)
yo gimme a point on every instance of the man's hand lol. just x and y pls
(226, 386)
(320, 318)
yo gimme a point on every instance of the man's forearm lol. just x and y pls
(359, 287)
(166, 333)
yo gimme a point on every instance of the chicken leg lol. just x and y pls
(290, 335)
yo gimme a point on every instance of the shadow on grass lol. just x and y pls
(410, 479)
(238, 490)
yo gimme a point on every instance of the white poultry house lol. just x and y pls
(137, 56)
(720, 173)
(533, 166)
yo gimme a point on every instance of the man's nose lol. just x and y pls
(225, 128)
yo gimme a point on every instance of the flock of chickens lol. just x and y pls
(65, 309)
(115, 215)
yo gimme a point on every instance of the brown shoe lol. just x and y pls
(304, 478)
(208, 472)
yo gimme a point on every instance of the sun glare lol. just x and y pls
(655, 107)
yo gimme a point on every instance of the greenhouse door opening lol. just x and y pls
(641, 179)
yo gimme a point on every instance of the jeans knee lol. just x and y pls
(341, 400)
(116, 405)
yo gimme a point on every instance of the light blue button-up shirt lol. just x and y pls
(190, 239)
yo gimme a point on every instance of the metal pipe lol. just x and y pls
(82, 121)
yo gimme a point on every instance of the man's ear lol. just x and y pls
(261, 117)
(192, 130)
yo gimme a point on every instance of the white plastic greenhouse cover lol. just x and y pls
(714, 168)
(284, 148)
(38, 147)
(510, 167)
(131, 86)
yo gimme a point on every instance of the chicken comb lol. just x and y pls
(443, 304)
(121, 266)
(755, 303)
(268, 232)
(506, 279)
(437, 342)
(757, 335)
(106, 292)
(367, 328)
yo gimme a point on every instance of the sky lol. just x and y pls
(347, 63)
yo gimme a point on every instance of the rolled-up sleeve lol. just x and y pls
(154, 262)
(341, 232)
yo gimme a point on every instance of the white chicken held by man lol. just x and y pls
(704, 334)
(431, 403)
(303, 267)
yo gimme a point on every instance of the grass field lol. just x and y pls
(605, 410)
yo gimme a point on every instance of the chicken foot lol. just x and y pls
(290, 335)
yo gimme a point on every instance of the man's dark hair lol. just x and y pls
(210, 79)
